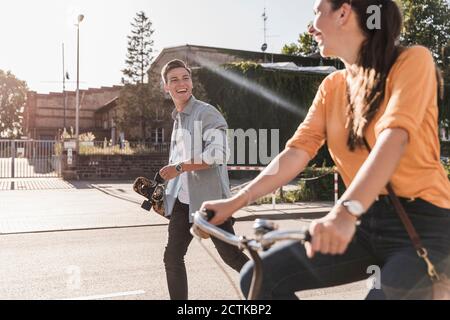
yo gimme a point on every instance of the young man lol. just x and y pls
(196, 172)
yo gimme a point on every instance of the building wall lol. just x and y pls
(119, 167)
(44, 113)
(105, 126)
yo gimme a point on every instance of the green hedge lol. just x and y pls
(246, 109)
(320, 189)
(316, 190)
(444, 106)
(445, 148)
(447, 167)
(311, 190)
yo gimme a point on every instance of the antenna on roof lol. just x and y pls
(265, 18)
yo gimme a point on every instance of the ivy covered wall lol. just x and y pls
(253, 97)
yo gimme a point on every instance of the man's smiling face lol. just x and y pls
(179, 85)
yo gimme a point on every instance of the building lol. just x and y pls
(158, 132)
(45, 116)
(201, 56)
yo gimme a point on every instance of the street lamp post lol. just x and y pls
(77, 110)
(64, 88)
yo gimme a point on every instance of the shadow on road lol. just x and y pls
(283, 216)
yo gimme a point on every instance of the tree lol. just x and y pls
(140, 106)
(13, 93)
(446, 62)
(427, 22)
(140, 100)
(140, 49)
(306, 45)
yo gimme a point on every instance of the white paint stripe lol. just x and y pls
(246, 168)
(112, 295)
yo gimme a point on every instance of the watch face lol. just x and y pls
(355, 207)
(179, 168)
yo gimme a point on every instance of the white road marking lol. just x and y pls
(112, 295)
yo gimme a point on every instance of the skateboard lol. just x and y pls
(153, 190)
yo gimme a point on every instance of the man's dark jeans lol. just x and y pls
(380, 241)
(177, 245)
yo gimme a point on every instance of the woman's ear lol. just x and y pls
(344, 13)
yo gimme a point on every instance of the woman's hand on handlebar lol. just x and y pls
(331, 234)
(223, 209)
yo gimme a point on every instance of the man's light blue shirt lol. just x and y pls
(205, 135)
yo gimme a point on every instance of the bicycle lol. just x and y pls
(266, 235)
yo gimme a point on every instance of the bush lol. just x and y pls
(445, 149)
(245, 107)
(447, 168)
(321, 189)
(317, 190)
(87, 137)
(288, 197)
(116, 150)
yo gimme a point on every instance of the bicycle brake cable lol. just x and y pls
(230, 280)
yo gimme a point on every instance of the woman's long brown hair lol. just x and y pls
(378, 54)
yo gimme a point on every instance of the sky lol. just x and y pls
(32, 33)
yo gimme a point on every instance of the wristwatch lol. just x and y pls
(179, 167)
(354, 207)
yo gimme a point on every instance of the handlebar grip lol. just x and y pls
(308, 237)
(209, 214)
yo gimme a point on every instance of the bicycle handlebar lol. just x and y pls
(266, 236)
(262, 242)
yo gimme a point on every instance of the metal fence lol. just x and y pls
(29, 159)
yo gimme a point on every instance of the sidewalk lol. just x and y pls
(56, 205)
(301, 210)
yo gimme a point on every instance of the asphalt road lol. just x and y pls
(114, 252)
(117, 264)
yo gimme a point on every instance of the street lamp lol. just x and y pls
(77, 110)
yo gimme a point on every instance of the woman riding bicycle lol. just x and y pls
(387, 95)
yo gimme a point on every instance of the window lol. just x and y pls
(105, 120)
(158, 135)
(159, 115)
(98, 122)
